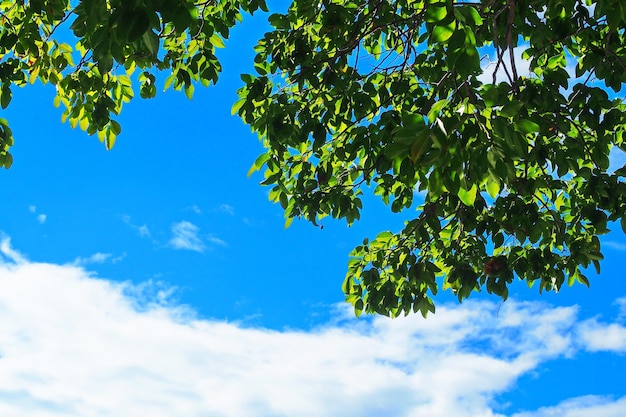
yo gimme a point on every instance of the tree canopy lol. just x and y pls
(494, 121)
(93, 51)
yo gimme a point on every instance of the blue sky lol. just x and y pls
(156, 278)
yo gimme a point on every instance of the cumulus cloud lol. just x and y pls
(185, 236)
(73, 345)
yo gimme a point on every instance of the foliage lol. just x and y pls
(495, 120)
(112, 39)
(428, 100)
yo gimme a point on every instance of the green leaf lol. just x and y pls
(105, 64)
(237, 106)
(436, 12)
(288, 222)
(468, 62)
(526, 126)
(490, 95)
(384, 236)
(217, 41)
(8, 160)
(151, 41)
(498, 240)
(5, 96)
(468, 197)
(358, 307)
(258, 163)
(182, 19)
(138, 23)
(189, 88)
(493, 188)
(420, 145)
(116, 129)
(512, 109)
(441, 33)
(472, 14)
(110, 138)
(435, 110)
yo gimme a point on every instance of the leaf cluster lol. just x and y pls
(425, 102)
(94, 51)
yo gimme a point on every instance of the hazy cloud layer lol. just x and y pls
(73, 345)
(217, 241)
(227, 208)
(143, 229)
(195, 208)
(98, 258)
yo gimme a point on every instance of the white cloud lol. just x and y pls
(32, 209)
(586, 406)
(185, 236)
(7, 251)
(600, 336)
(98, 258)
(72, 345)
(522, 67)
